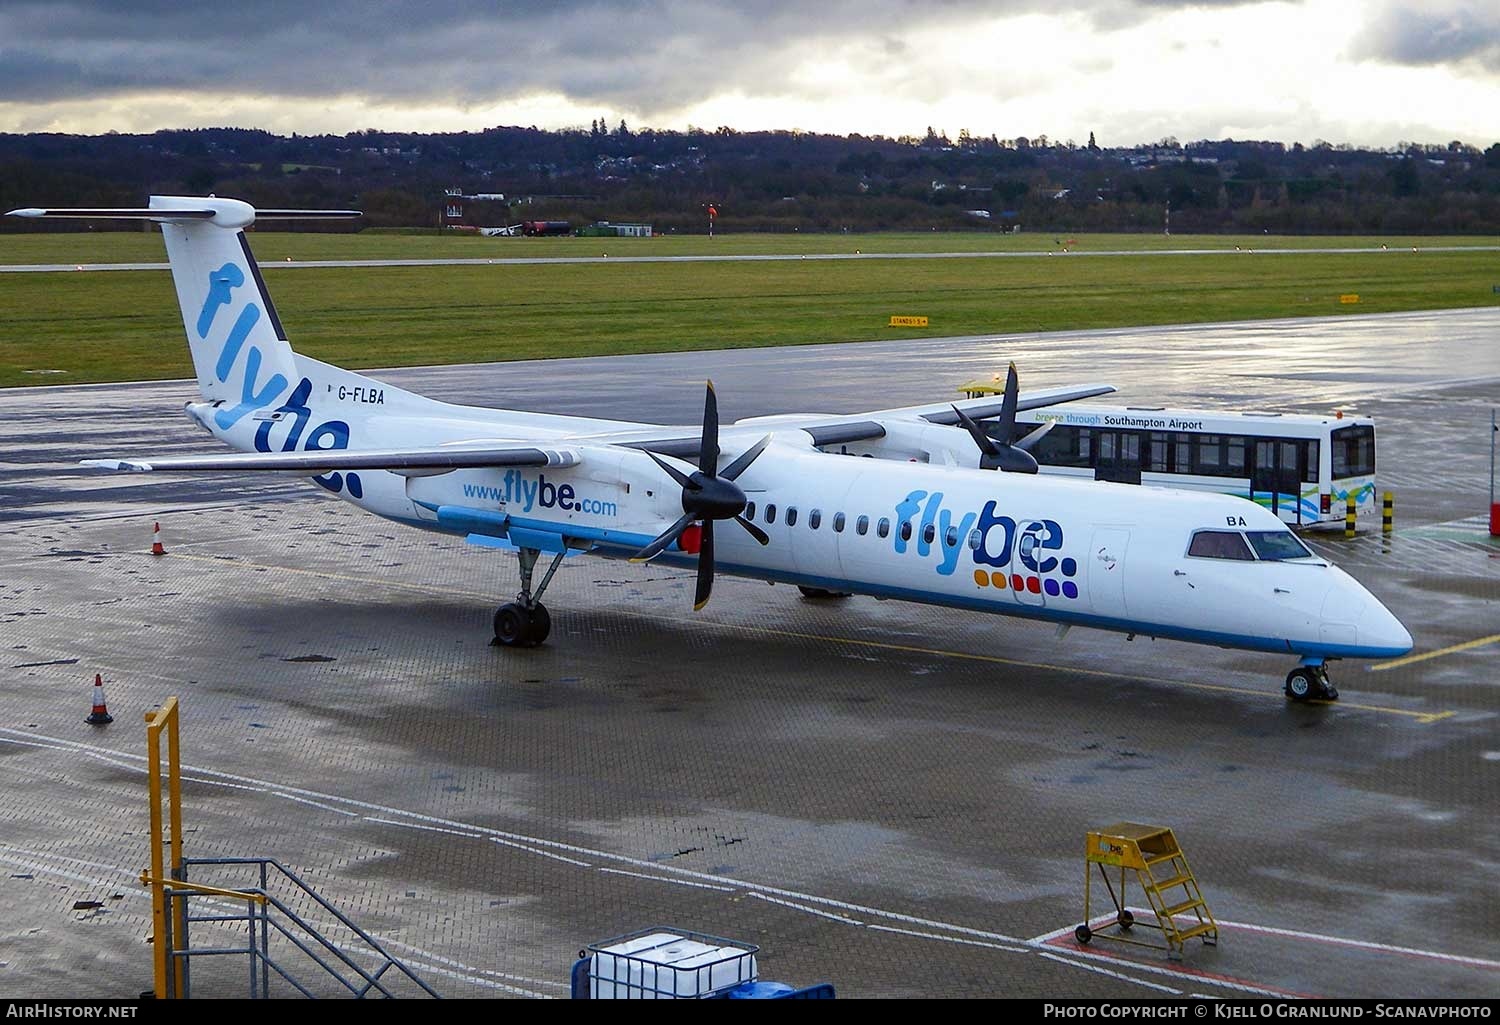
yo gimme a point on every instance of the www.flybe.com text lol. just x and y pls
(530, 494)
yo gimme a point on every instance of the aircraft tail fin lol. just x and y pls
(241, 355)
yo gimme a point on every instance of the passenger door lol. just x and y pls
(1276, 469)
(1106, 571)
(1119, 456)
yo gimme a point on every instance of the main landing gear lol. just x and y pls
(525, 623)
(1309, 682)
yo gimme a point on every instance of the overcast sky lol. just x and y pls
(1369, 73)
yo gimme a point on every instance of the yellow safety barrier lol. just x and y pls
(1349, 511)
(164, 720)
(1387, 513)
(908, 322)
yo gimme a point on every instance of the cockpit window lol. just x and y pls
(1275, 545)
(1220, 544)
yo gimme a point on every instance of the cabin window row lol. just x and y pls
(769, 514)
(1204, 455)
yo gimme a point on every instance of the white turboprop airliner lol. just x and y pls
(926, 518)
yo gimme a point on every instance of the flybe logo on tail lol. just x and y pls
(331, 434)
(221, 286)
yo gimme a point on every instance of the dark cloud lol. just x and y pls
(650, 56)
(1441, 33)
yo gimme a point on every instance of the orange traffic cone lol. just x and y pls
(156, 548)
(100, 715)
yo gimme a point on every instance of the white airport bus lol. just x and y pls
(1298, 466)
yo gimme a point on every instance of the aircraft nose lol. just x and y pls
(1381, 630)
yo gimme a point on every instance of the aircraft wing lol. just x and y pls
(836, 430)
(316, 463)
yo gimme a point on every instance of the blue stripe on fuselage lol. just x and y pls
(616, 544)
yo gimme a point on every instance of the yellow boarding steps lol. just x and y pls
(1162, 871)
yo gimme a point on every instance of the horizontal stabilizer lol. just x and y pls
(226, 213)
(121, 213)
(317, 463)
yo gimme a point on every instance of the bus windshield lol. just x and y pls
(1354, 451)
(1276, 545)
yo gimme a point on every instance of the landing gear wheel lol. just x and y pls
(511, 625)
(1083, 934)
(1310, 683)
(539, 626)
(1302, 684)
(517, 626)
(819, 594)
(1124, 919)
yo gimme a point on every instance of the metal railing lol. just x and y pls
(280, 942)
(276, 933)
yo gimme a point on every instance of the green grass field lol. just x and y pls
(125, 325)
(271, 247)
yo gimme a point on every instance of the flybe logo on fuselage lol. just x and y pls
(331, 434)
(1025, 554)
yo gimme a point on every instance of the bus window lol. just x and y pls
(1353, 451)
(1182, 453)
(1220, 544)
(1210, 459)
(1310, 462)
(1156, 453)
(1275, 545)
(1060, 447)
(1235, 456)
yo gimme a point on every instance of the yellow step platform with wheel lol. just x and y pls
(1161, 870)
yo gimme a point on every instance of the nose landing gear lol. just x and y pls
(1309, 682)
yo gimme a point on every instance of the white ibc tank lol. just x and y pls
(667, 966)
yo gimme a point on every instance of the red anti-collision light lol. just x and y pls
(691, 539)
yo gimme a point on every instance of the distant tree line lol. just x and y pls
(780, 181)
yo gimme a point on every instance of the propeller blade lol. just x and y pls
(1027, 443)
(1008, 404)
(987, 445)
(682, 479)
(742, 463)
(664, 539)
(753, 530)
(705, 567)
(708, 449)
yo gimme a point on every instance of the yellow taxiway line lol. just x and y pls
(1407, 660)
(1424, 718)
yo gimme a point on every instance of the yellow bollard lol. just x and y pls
(1349, 516)
(1387, 513)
